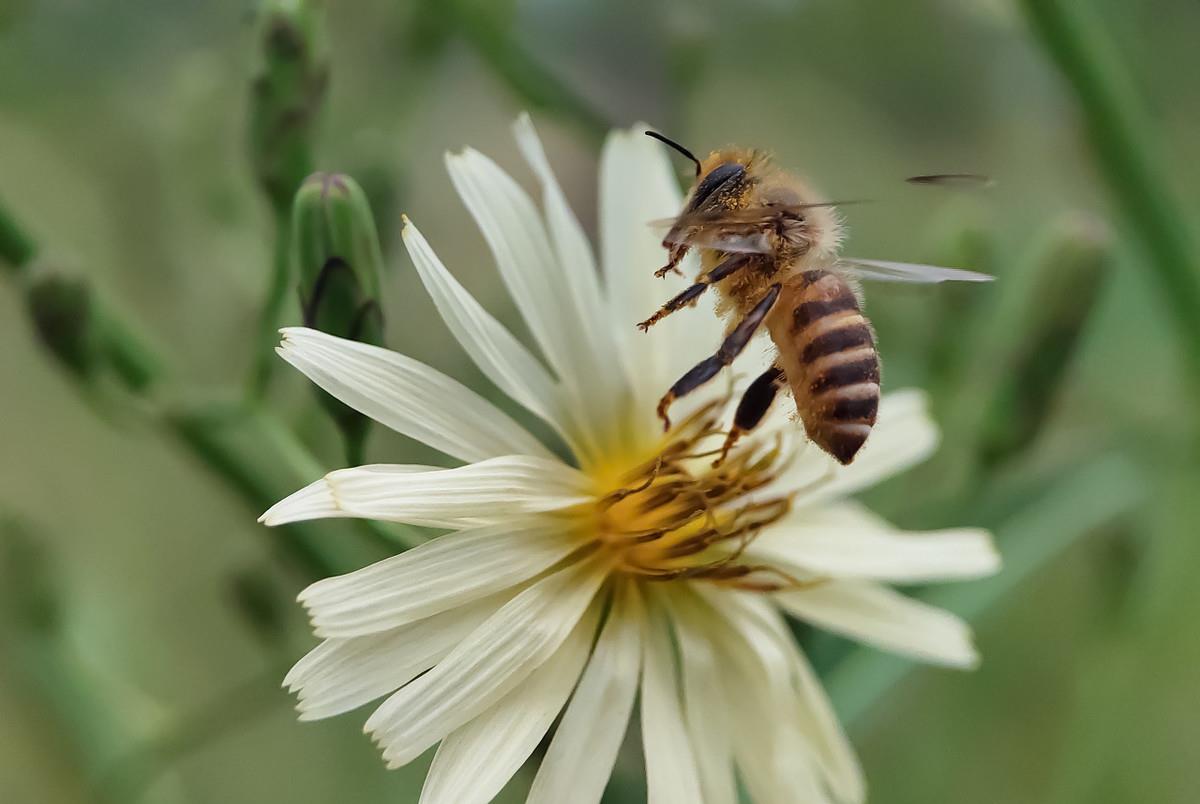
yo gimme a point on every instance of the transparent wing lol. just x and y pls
(732, 230)
(883, 271)
(735, 243)
(962, 181)
(749, 216)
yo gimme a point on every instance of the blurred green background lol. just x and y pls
(146, 620)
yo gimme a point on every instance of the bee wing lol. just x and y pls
(747, 216)
(732, 230)
(965, 181)
(883, 271)
(734, 243)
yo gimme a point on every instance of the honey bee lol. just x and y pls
(770, 248)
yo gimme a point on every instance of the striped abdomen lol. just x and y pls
(827, 351)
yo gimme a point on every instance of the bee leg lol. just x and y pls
(753, 407)
(690, 294)
(675, 253)
(731, 347)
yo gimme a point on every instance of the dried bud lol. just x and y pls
(287, 95)
(339, 263)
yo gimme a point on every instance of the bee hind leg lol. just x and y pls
(731, 347)
(753, 407)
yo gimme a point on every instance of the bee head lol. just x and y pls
(720, 179)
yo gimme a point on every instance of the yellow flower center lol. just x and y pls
(680, 514)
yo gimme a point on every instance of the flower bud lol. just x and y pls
(339, 263)
(64, 315)
(1066, 289)
(287, 95)
(255, 598)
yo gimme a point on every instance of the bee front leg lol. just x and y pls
(726, 268)
(731, 347)
(675, 253)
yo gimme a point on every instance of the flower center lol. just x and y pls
(681, 514)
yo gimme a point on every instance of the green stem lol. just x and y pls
(128, 779)
(133, 358)
(227, 441)
(1073, 37)
(265, 360)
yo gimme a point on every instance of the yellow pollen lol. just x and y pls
(680, 514)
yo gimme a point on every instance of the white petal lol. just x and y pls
(571, 245)
(773, 760)
(499, 355)
(637, 186)
(537, 283)
(342, 674)
(475, 761)
(485, 666)
(706, 710)
(435, 576)
(581, 755)
(885, 618)
(846, 541)
(903, 435)
(800, 698)
(507, 486)
(407, 396)
(671, 774)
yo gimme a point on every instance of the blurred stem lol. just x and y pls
(245, 462)
(1072, 35)
(481, 26)
(226, 440)
(129, 353)
(92, 717)
(128, 779)
(265, 360)
(1080, 501)
(136, 362)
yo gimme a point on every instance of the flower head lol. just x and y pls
(568, 584)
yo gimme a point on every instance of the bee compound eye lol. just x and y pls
(717, 177)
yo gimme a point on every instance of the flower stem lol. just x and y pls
(272, 310)
(1074, 39)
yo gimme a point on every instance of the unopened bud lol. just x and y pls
(1065, 291)
(64, 315)
(28, 592)
(339, 263)
(287, 95)
(258, 602)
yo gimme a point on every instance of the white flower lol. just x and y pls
(569, 585)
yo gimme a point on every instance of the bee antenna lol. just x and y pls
(677, 147)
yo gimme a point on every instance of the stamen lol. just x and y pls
(676, 516)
